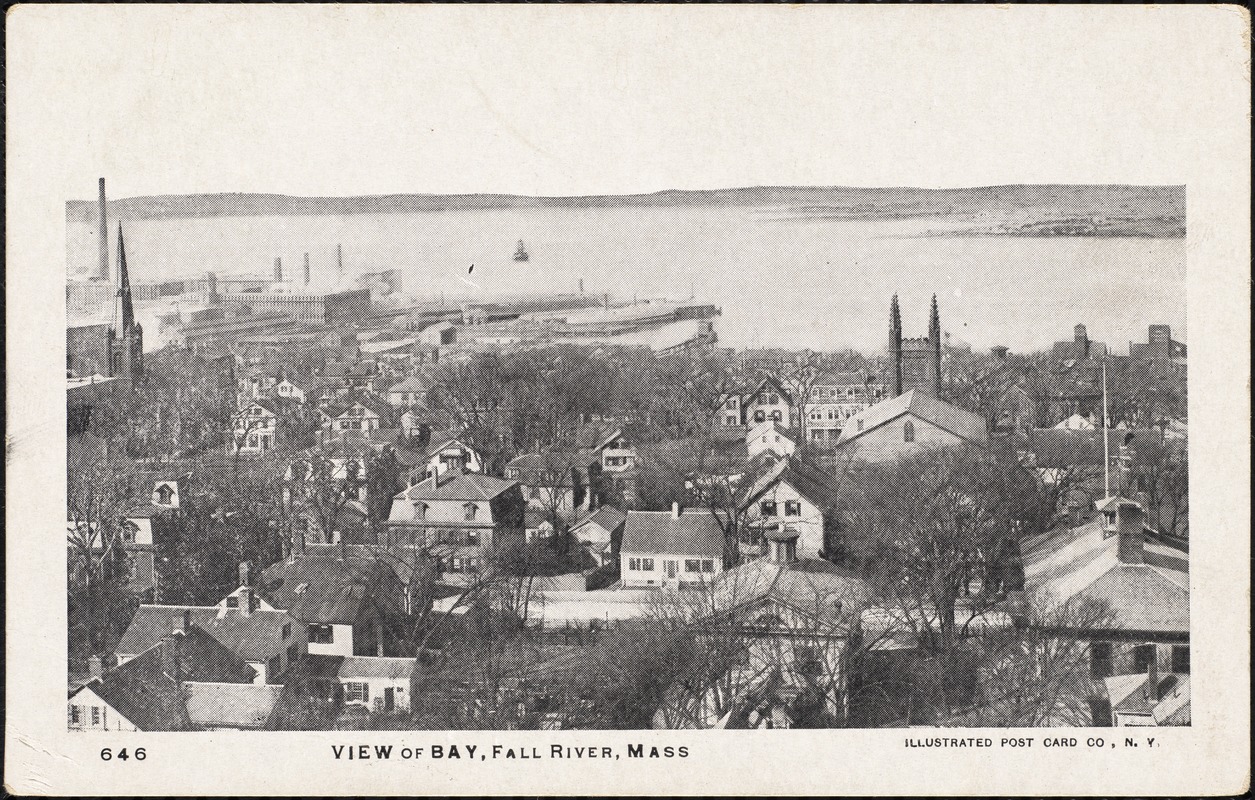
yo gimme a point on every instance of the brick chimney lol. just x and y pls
(95, 668)
(247, 603)
(244, 576)
(1129, 520)
(675, 511)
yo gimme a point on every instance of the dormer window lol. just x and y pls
(470, 509)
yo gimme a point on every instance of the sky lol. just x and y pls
(344, 100)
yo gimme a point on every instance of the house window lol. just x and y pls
(320, 634)
(730, 420)
(730, 405)
(775, 416)
(792, 508)
(1100, 660)
(768, 508)
(420, 510)
(647, 564)
(708, 565)
(860, 425)
(772, 399)
(1142, 655)
(95, 716)
(692, 565)
(908, 431)
(512, 473)
(469, 509)
(1181, 660)
(294, 653)
(634, 564)
(355, 692)
(274, 665)
(806, 659)
(287, 630)
(76, 715)
(760, 415)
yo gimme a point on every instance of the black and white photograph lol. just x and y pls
(443, 379)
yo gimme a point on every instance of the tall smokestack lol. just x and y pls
(581, 286)
(104, 234)
(278, 270)
(307, 269)
(339, 260)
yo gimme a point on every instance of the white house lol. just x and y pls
(381, 684)
(670, 548)
(770, 437)
(791, 497)
(88, 711)
(769, 402)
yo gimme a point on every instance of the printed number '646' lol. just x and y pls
(107, 754)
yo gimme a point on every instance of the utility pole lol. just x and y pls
(1106, 455)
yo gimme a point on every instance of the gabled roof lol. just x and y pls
(963, 424)
(770, 426)
(695, 532)
(811, 482)
(254, 637)
(1063, 447)
(1081, 562)
(770, 381)
(468, 486)
(608, 517)
(811, 586)
(375, 667)
(319, 586)
(231, 705)
(145, 692)
(279, 406)
(414, 383)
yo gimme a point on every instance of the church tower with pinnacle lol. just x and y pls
(127, 339)
(915, 364)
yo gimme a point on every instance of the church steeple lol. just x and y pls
(895, 347)
(124, 287)
(934, 342)
(127, 347)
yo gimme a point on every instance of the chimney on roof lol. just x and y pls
(783, 547)
(244, 576)
(1129, 520)
(180, 622)
(675, 511)
(1152, 676)
(278, 270)
(248, 603)
(104, 234)
(95, 668)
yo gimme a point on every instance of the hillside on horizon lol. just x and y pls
(1054, 200)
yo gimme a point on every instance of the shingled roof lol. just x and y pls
(695, 532)
(330, 585)
(961, 423)
(146, 689)
(1080, 562)
(468, 486)
(811, 482)
(252, 637)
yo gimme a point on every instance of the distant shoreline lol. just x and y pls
(1050, 201)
